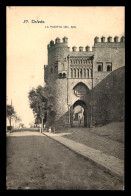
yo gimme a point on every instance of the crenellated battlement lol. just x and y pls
(105, 51)
(58, 42)
(102, 42)
(103, 48)
(109, 39)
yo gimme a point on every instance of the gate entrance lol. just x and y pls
(79, 114)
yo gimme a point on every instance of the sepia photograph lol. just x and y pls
(65, 97)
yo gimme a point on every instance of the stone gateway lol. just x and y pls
(84, 80)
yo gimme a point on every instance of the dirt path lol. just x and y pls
(38, 162)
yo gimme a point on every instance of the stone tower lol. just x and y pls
(74, 74)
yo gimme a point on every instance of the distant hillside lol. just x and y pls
(108, 98)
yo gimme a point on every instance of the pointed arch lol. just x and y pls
(81, 84)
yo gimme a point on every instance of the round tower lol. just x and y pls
(57, 79)
(57, 51)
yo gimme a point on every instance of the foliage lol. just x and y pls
(10, 112)
(41, 101)
(38, 120)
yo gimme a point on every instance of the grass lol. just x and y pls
(108, 138)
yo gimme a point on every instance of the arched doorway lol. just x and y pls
(79, 114)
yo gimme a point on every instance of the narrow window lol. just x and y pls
(60, 75)
(71, 73)
(100, 68)
(84, 73)
(87, 73)
(109, 68)
(74, 73)
(64, 75)
(80, 73)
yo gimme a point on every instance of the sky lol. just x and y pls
(26, 49)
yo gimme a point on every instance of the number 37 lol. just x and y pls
(25, 21)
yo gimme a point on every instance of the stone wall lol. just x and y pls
(108, 98)
(107, 53)
(106, 90)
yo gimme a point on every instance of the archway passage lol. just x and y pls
(79, 114)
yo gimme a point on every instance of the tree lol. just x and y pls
(10, 113)
(41, 101)
(38, 121)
